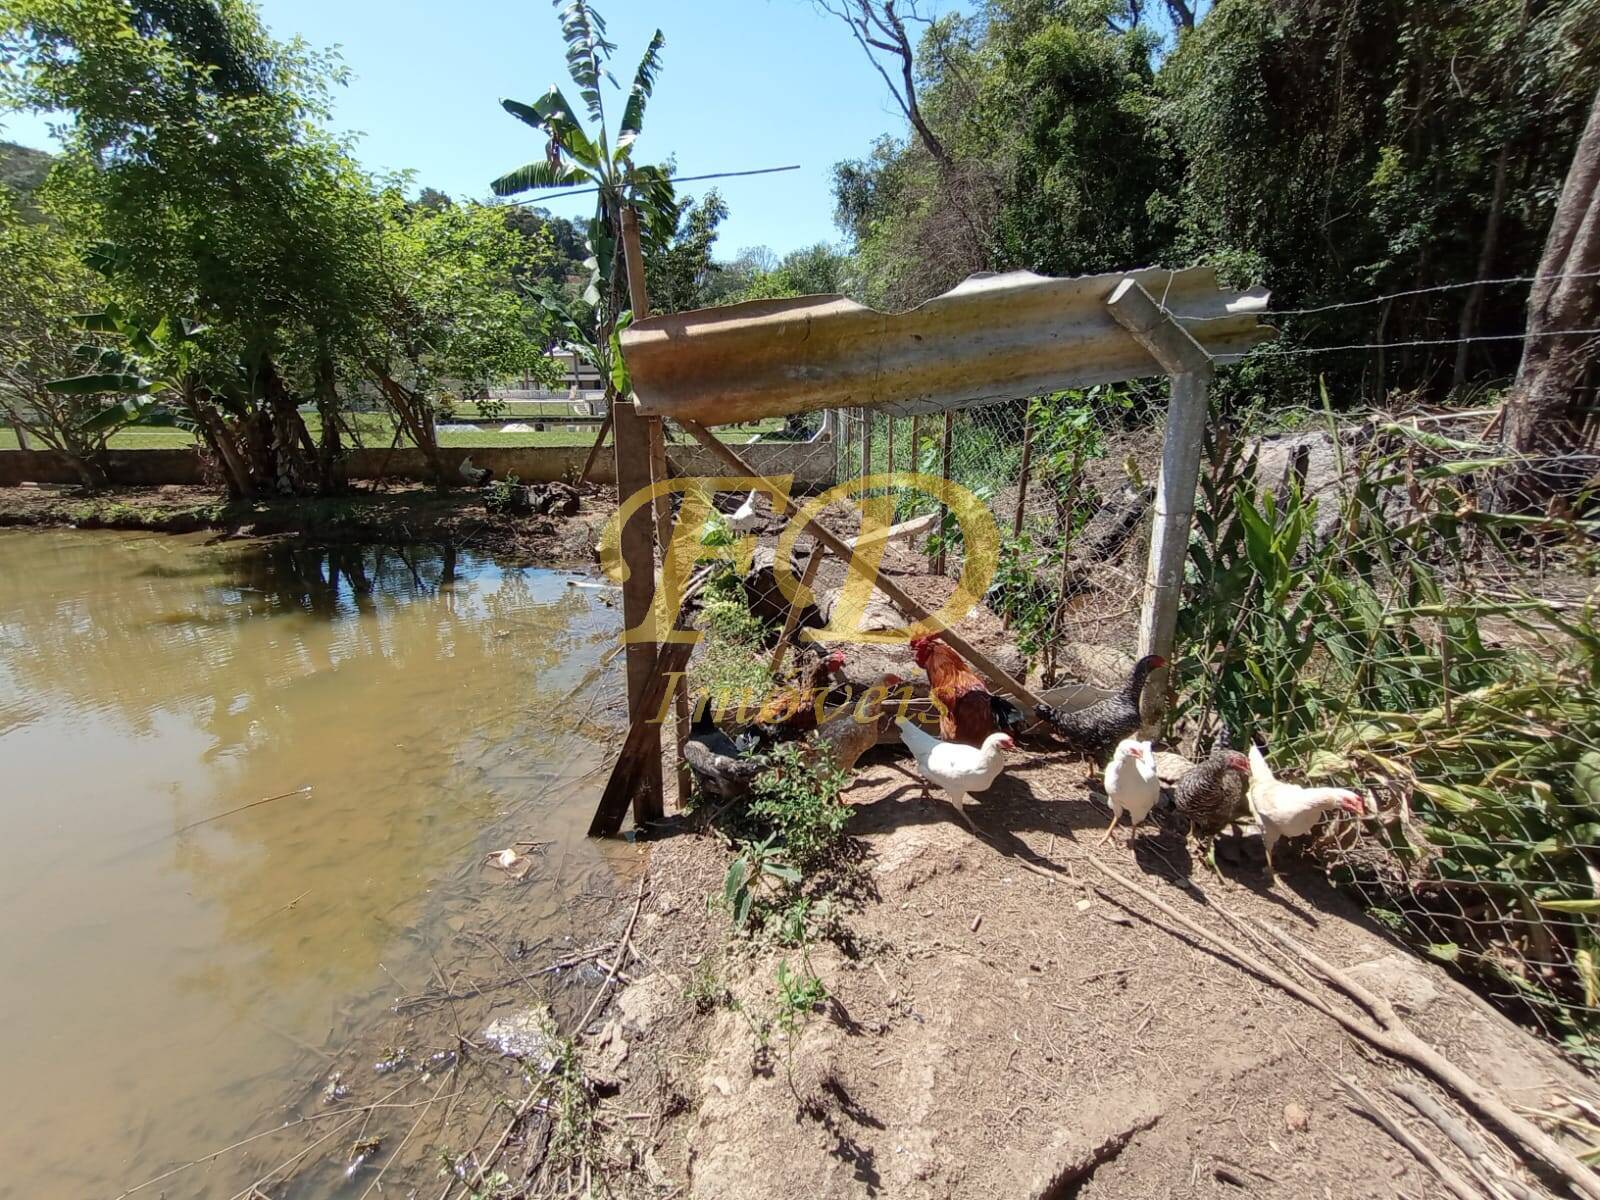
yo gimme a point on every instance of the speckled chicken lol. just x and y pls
(1094, 731)
(1211, 795)
(722, 769)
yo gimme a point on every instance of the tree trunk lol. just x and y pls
(1544, 422)
(292, 473)
(412, 414)
(1491, 243)
(328, 449)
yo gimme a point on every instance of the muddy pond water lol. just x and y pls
(166, 971)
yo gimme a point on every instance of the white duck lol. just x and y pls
(959, 770)
(1132, 784)
(1289, 810)
(745, 518)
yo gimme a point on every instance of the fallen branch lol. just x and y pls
(1390, 1035)
(1363, 1103)
(1488, 1171)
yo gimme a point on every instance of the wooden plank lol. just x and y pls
(841, 549)
(594, 450)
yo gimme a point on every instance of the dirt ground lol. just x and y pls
(391, 513)
(991, 1032)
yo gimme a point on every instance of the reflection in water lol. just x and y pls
(156, 983)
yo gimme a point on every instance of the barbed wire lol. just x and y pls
(1290, 352)
(1343, 304)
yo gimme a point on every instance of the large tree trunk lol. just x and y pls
(1543, 419)
(293, 473)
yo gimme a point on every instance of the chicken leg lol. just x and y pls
(957, 799)
(1110, 829)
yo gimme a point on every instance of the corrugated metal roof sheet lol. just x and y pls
(995, 337)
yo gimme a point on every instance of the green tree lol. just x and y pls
(681, 274)
(42, 289)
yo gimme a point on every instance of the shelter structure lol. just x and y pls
(995, 337)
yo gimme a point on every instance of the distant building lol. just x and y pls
(580, 384)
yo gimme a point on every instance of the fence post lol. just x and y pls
(1190, 369)
(633, 449)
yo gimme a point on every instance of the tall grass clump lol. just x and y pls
(1394, 638)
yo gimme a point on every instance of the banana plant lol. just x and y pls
(128, 371)
(576, 157)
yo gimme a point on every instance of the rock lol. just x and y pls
(605, 1065)
(766, 599)
(1295, 1118)
(1399, 979)
(170, 489)
(529, 1035)
(645, 1002)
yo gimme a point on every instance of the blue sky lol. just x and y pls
(746, 84)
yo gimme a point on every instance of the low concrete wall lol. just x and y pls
(811, 463)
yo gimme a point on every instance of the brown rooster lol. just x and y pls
(794, 709)
(968, 711)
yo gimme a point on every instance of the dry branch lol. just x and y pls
(1390, 1035)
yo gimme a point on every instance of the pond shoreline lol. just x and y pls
(399, 514)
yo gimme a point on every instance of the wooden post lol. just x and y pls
(845, 551)
(944, 509)
(1186, 361)
(638, 590)
(916, 443)
(1027, 465)
(866, 441)
(888, 446)
(639, 299)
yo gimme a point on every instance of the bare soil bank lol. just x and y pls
(396, 514)
(991, 1032)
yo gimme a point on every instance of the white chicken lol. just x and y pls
(1132, 785)
(1289, 810)
(745, 518)
(958, 769)
(475, 475)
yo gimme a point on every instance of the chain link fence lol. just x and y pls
(1354, 601)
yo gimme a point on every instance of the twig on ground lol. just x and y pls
(1362, 1102)
(1390, 1034)
(378, 1178)
(1489, 1172)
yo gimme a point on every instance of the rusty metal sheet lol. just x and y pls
(995, 337)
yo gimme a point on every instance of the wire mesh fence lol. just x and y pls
(1355, 603)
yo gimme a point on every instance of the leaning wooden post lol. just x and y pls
(1190, 368)
(866, 441)
(632, 439)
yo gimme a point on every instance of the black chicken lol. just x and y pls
(1095, 731)
(1212, 796)
(722, 768)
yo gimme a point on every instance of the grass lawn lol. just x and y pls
(377, 431)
